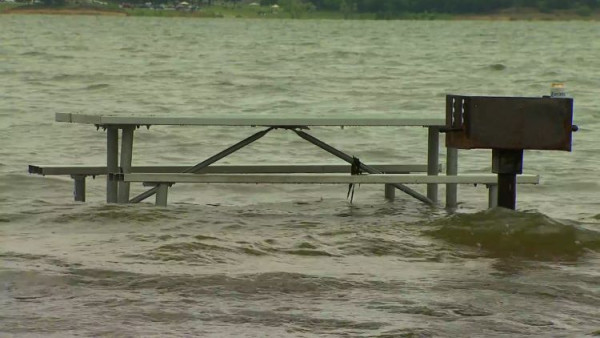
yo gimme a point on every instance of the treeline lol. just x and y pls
(383, 9)
(436, 6)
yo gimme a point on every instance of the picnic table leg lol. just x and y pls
(433, 145)
(451, 170)
(79, 189)
(161, 194)
(112, 163)
(126, 155)
(390, 192)
(492, 196)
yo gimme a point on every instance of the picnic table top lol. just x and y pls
(251, 121)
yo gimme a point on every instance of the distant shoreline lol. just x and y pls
(223, 12)
(62, 11)
(530, 15)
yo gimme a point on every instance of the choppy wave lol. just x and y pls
(497, 66)
(33, 53)
(105, 214)
(194, 253)
(45, 55)
(253, 284)
(97, 86)
(504, 233)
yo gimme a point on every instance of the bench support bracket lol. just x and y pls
(340, 154)
(198, 167)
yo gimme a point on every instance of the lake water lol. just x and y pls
(258, 261)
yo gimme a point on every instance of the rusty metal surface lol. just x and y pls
(509, 122)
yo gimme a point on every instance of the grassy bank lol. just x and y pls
(8, 8)
(258, 12)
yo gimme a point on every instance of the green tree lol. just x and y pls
(295, 8)
(348, 7)
(268, 2)
(389, 8)
(54, 3)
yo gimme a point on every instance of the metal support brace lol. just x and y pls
(451, 170)
(363, 166)
(112, 163)
(227, 151)
(79, 187)
(433, 149)
(198, 167)
(126, 156)
(162, 191)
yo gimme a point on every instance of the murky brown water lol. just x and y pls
(276, 261)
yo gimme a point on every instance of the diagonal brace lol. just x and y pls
(195, 169)
(350, 159)
(198, 167)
